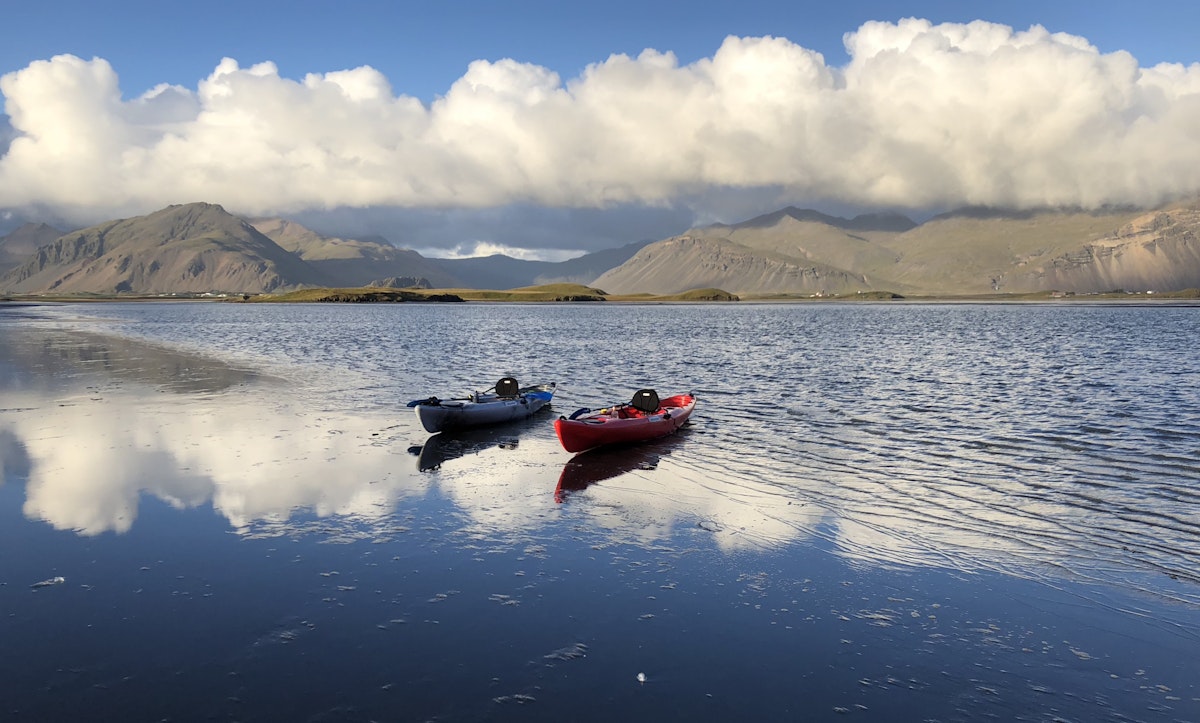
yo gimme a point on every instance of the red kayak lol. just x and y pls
(646, 417)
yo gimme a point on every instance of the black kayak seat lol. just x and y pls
(507, 387)
(645, 400)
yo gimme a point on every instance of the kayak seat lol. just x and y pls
(645, 400)
(507, 387)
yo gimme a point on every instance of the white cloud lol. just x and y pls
(922, 116)
(487, 248)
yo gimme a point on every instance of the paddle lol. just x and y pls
(603, 410)
(434, 400)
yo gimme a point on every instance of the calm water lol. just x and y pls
(903, 512)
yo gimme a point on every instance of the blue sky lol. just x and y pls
(423, 47)
(511, 191)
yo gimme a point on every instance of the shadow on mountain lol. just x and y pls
(883, 221)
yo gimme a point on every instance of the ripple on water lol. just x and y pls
(1027, 438)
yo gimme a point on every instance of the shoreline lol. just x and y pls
(581, 293)
(501, 297)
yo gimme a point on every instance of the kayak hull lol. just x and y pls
(623, 425)
(482, 410)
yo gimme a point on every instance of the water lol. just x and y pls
(902, 511)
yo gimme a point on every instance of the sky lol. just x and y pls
(546, 129)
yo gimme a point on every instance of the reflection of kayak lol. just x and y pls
(445, 446)
(646, 417)
(505, 402)
(604, 464)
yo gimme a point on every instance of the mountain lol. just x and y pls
(19, 245)
(691, 262)
(971, 251)
(360, 262)
(859, 247)
(401, 282)
(587, 268)
(885, 221)
(789, 251)
(192, 248)
(492, 272)
(198, 248)
(978, 251)
(355, 262)
(1159, 250)
(504, 272)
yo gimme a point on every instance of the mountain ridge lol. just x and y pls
(190, 248)
(196, 248)
(23, 242)
(878, 221)
(168, 251)
(353, 262)
(972, 251)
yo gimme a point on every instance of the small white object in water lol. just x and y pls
(641, 677)
(52, 581)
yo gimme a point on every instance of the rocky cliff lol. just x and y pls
(23, 242)
(1155, 251)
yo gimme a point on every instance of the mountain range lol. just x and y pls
(200, 248)
(967, 252)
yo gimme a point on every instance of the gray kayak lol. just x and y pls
(477, 410)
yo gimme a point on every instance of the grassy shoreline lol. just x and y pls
(579, 293)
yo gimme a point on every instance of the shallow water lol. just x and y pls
(921, 512)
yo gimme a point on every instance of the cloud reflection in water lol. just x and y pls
(93, 422)
(93, 458)
(948, 465)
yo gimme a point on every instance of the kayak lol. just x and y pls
(646, 417)
(505, 402)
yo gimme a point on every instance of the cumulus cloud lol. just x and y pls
(922, 116)
(487, 248)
